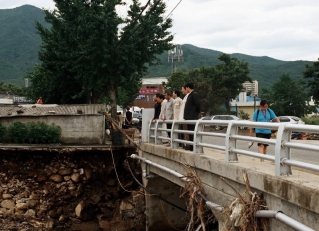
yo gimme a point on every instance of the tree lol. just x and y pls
(229, 78)
(215, 85)
(201, 77)
(90, 51)
(311, 76)
(288, 97)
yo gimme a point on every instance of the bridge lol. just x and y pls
(290, 187)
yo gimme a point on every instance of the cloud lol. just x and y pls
(285, 29)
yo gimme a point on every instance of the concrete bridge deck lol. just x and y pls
(296, 195)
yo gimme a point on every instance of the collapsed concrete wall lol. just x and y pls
(65, 191)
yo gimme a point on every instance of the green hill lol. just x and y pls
(20, 43)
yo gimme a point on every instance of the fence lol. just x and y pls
(283, 145)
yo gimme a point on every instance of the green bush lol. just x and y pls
(311, 120)
(54, 134)
(17, 132)
(2, 132)
(33, 133)
(41, 133)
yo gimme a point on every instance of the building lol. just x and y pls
(251, 87)
(150, 86)
(80, 123)
(245, 103)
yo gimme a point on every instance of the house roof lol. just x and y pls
(51, 109)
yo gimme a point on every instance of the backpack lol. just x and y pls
(258, 115)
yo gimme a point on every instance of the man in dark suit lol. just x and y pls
(157, 107)
(192, 108)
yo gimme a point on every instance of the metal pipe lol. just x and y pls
(261, 213)
(283, 218)
(300, 164)
(134, 156)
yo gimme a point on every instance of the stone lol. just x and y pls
(63, 218)
(22, 206)
(65, 172)
(32, 203)
(6, 196)
(56, 178)
(53, 214)
(126, 205)
(49, 224)
(111, 182)
(103, 222)
(42, 178)
(89, 174)
(8, 204)
(138, 197)
(76, 177)
(30, 213)
(34, 197)
(84, 211)
(95, 198)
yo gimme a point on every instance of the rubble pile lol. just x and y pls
(51, 191)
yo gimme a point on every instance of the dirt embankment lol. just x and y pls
(77, 191)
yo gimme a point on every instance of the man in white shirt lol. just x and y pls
(177, 104)
(169, 110)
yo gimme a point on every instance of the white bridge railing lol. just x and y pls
(282, 143)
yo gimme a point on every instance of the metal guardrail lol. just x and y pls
(282, 143)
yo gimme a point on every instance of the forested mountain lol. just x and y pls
(20, 43)
(264, 69)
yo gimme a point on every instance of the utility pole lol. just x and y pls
(175, 55)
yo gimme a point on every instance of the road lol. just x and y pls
(311, 157)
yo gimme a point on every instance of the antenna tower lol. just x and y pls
(175, 55)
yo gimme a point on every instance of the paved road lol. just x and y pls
(311, 157)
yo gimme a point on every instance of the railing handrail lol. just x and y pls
(282, 143)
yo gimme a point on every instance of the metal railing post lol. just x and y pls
(157, 140)
(230, 143)
(198, 138)
(150, 133)
(174, 135)
(282, 152)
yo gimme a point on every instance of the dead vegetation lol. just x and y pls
(200, 217)
(240, 215)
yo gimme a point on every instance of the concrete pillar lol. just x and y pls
(148, 114)
(160, 215)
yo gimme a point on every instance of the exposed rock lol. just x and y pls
(76, 177)
(137, 196)
(49, 224)
(126, 205)
(8, 204)
(88, 173)
(42, 178)
(6, 196)
(30, 213)
(22, 206)
(111, 182)
(84, 211)
(53, 214)
(65, 172)
(56, 178)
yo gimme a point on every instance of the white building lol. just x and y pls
(252, 87)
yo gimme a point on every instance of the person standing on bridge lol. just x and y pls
(192, 109)
(157, 107)
(169, 110)
(263, 114)
(178, 102)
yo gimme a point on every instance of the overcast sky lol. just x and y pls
(281, 29)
